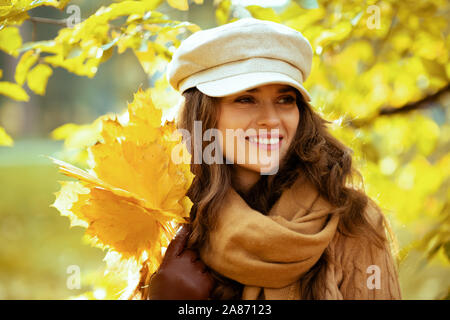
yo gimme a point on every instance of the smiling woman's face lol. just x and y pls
(263, 121)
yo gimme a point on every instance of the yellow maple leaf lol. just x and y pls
(37, 78)
(5, 139)
(10, 40)
(13, 90)
(27, 60)
(179, 4)
(133, 194)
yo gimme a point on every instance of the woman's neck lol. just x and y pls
(244, 179)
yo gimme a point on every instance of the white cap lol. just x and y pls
(239, 56)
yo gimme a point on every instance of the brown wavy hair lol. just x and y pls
(314, 152)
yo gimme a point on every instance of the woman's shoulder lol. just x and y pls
(357, 261)
(347, 247)
(374, 215)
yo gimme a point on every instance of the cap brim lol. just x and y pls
(238, 83)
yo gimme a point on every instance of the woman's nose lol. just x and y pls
(268, 115)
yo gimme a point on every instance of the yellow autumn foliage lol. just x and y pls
(5, 139)
(133, 194)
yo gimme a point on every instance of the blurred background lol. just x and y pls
(380, 74)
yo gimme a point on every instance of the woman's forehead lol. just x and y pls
(278, 88)
(281, 88)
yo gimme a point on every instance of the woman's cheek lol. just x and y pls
(235, 147)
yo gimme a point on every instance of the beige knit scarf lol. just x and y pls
(269, 254)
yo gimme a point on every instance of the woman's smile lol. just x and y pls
(267, 142)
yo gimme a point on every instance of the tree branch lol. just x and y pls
(59, 22)
(387, 111)
(420, 104)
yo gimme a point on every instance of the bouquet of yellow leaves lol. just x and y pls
(133, 195)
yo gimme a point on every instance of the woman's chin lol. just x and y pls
(271, 170)
(262, 169)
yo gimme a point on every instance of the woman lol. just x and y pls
(278, 219)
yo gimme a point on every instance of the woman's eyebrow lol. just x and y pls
(286, 89)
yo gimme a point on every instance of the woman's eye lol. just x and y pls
(287, 100)
(244, 100)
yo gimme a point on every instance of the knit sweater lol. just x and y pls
(352, 270)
